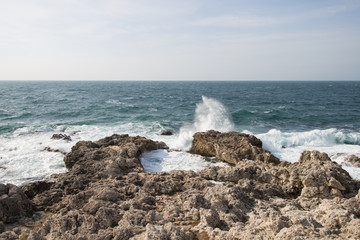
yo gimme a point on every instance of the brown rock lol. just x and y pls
(323, 178)
(14, 204)
(61, 136)
(110, 147)
(106, 194)
(231, 147)
(2, 227)
(354, 160)
(167, 133)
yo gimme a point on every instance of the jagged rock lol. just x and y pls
(14, 204)
(106, 194)
(111, 147)
(61, 136)
(231, 147)
(354, 160)
(32, 189)
(323, 178)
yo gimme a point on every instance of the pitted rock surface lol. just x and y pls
(108, 195)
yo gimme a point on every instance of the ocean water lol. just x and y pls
(289, 117)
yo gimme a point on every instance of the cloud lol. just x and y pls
(237, 21)
(247, 19)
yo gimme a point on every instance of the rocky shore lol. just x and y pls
(106, 194)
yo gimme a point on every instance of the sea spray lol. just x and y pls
(275, 140)
(210, 114)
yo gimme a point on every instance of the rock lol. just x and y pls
(168, 133)
(210, 218)
(116, 145)
(231, 147)
(32, 189)
(2, 227)
(49, 149)
(14, 204)
(336, 184)
(354, 160)
(61, 136)
(323, 178)
(107, 194)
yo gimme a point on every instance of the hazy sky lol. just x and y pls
(179, 40)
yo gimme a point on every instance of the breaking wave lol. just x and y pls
(210, 114)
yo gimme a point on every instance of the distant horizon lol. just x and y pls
(159, 40)
(104, 80)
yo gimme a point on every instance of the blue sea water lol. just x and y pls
(289, 117)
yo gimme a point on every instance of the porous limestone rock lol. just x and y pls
(106, 194)
(231, 147)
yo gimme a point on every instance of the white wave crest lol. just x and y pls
(338, 144)
(210, 114)
(275, 139)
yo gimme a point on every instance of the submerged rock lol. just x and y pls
(168, 133)
(354, 160)
(108, 195)
(61, 136)
(231, 147)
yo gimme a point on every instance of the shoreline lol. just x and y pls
(106, 194)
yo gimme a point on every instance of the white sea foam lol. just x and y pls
(162, 160)
(288, 146)
(24, 158)
(210, 114)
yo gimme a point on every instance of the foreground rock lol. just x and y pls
(107, 195)
(14, 204)
(231, 147)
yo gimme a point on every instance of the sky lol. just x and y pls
(179, 40)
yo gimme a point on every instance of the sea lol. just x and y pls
(288, 116)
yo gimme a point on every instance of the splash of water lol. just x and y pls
(210, 114)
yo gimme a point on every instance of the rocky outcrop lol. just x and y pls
(231, 147)
(14, 204)
(107, 195)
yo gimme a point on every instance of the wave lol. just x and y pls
(210, 114)
(337, 143)
(316, 138)
(114, 102)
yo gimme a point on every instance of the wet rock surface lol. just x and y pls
(167, 133)
(106, 194)
(354, 160)
(61, 136)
